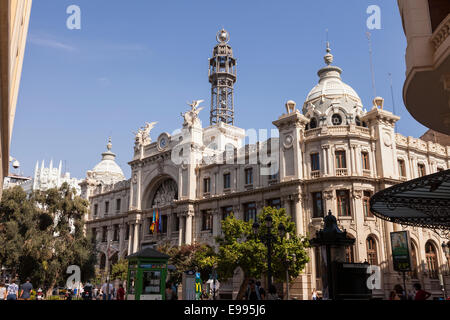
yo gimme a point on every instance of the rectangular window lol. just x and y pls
(274, 203)
(207, 185)
(273, 176)
(93, 235)
(226, 211)
(95, 209)
(250, 212)
(366, 204)
(315, 162)
(227, 181)
(341, 162)
(401, 168)
(317, 205)
(207, 221)
(105, 234)
(127, 232)
(422, 171)
(164, 224)
(116, 232)
(248, 176)
(177, 223)
(106, 207)
(343, 199)
(118, 201)
(365, 161)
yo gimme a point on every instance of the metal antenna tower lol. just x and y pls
(222, 76)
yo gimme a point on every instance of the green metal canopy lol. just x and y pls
(148, 253)
(422, 202)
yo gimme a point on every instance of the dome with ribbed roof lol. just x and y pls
(107, 170)
(332, 101)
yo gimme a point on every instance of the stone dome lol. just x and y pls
(332, 101)
(107, 170)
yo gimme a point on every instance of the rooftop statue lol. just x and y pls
(191, 116)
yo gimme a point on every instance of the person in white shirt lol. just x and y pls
(2, 291)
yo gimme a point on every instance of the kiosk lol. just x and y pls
(147, 272)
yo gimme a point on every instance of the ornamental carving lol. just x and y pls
(357, 194)
(165, 195)
(328, 195)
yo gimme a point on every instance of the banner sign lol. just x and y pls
(401, 253)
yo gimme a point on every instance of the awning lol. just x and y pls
(422, 202)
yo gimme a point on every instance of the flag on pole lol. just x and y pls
(159, 224)
(152, 226)
(157, 221)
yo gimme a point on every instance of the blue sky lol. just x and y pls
(137, 61)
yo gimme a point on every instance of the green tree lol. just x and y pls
(119, 270)
(240, 248)
(197, 257)
(43, 234)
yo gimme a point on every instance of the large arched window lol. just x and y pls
(431, 257)
(336, 119)
(166, 193)
(313, 123)
(414, 274)
(372, 256)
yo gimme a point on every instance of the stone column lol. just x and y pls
(287, 205)
(297, 215)
(109, 239)
(237, 211)
(136, 237)
(181, 229)
(216, 222)
(130, 238)
(188, 235)
(325, 168)
(121, 239)
(352, 159)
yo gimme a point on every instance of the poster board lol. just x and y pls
(401, 252)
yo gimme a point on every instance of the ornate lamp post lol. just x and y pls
(446, 249)
(332, 242)
(268, 239)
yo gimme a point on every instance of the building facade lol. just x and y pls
(331, 155)
(14, 20)
(426, 24)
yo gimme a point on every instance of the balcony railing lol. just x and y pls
(366, 173)
(441, 33)
(341, 172)
(315, 174)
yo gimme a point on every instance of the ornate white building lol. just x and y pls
(44, 179)
(331, 156)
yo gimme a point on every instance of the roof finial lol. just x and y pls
(109, 145)
(328, 57)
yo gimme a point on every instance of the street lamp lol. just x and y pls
(446, 249)
(268, 239)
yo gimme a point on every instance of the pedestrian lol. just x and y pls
(40, 294)
(399, 292)
(107, 290)
(121, 293)
(2, 291)
(420, 294)
(252, 291)
(272, 295)
(87, 291)
(261, 290)
(314, 294)
(12, 291)
(27, 287)
(174, 291)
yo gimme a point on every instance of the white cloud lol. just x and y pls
(50, 43)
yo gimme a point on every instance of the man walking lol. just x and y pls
(13, 290)
(107, 290)
(26, 290)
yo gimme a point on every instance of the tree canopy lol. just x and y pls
(240, 248)
(43, 233)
